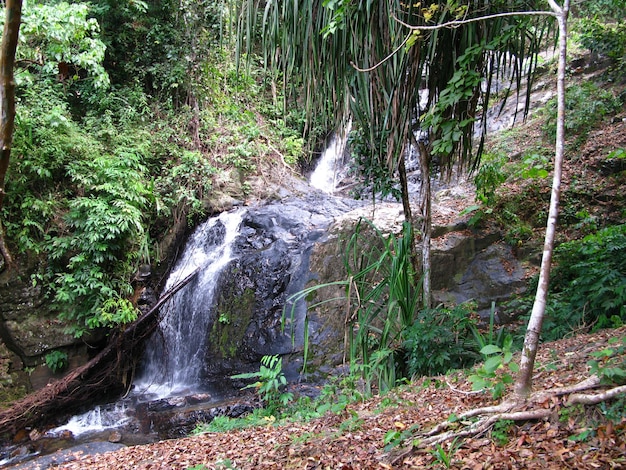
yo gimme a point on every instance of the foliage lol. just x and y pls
(589, 285)
(605, 9)
(587, 288)
(439, 340)
(488, 179)
(61, 40)
(385, 299)
(610, 363)
(500, 431)
(103, 225)
(443, 456)
(493, 374)
(586, 104)
(99, 174)
(271, 380)
(601, 38)
(56, 360)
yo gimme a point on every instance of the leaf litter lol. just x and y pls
(579, 437)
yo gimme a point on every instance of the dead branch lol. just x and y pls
(510, 409)
(103, 375)
(594, 399)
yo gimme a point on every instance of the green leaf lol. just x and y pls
(490, 349)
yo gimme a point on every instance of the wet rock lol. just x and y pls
(493, 275)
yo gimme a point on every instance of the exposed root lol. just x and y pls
(594, 399)
(540, 405)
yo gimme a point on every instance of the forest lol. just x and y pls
(126, 124)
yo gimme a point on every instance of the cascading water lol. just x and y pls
(99, 419)
(174, 358)
(326, 175)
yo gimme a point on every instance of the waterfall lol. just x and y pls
(174, 355)
(326, 175)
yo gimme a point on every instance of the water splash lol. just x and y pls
(99, 419)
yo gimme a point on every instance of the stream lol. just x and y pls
(260, 254)
(256, 255)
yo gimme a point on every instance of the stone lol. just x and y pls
(115, 437)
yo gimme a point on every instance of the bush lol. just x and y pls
(588, 288)
(439, 340)
(56, 361)
(591, 277)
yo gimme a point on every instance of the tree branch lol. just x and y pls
(451, 24)
(594, 399)
(458, 23)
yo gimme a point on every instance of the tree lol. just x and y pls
(10, 35)
(388, 57)
(523, 384)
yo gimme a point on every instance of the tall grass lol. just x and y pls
(382, 298)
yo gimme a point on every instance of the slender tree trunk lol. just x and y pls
(13, 18)
(408, 213)
(425, 204)
(523, 384)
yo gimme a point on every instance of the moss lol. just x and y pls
(233, 316)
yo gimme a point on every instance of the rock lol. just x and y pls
(115, 437)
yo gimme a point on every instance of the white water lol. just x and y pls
(175, 354)
(96, 420)
(327, 172)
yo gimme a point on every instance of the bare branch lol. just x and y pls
(594, 399)
(458, 23)
(394, 52)
(450, 24)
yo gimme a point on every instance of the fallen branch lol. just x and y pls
(103, 375)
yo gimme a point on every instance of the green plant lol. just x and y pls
(610, 363)
(384, 298)
(398, 436)
(441, 339)
(495, 372)
(489, 178)
(602, 38)
(444, 457)
(500, 431)
(586, 105)
(534, 165)
(588, 287)
(270, 381)
(56, 360)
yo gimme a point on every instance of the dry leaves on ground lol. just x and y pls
(355, 439)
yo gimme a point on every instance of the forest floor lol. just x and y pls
(581, 437)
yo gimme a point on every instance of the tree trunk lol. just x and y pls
(523, 384)
(408, 213)
(425, 204)
(108, 373)
(13, 18)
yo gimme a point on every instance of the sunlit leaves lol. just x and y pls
(61, 40)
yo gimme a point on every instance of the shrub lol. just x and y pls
(441, 339)
(588, 286)
(56, 360)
